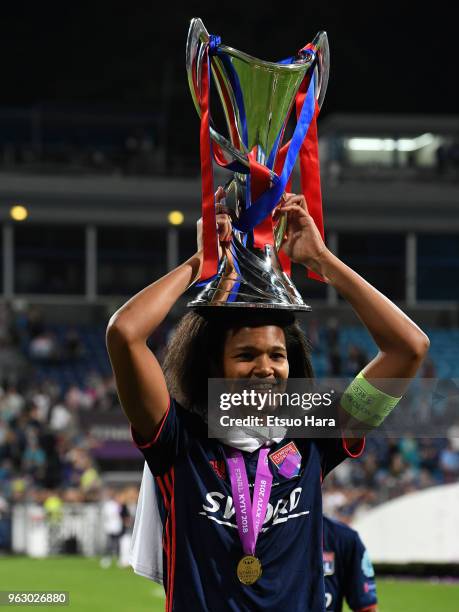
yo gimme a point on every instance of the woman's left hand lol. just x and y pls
(302, 241)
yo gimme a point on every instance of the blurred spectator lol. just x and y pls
(61, 418)
(113, 526)
(6, 471)
(449, 464)
(78, 399)
(429, 455)
(53, 506)
(128, 499)
(111, 394)
(409, 451)
(45, 347)
(334, 501)
(42, 402)
(89, 480)
(95, 386)
(37, 417)
(34, 461)
(51, 389)
(11, 403)
(370, 468)
(20, 487)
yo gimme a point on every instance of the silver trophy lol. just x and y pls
(257, 98)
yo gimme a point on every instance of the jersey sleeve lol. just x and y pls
(162, 451)
(360, 585)
(333, 451)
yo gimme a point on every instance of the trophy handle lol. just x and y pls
(197, 38)
(322, 68)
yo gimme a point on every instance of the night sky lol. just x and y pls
(131, 56)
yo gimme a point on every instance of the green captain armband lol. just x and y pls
(366, 403)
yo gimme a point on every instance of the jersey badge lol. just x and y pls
(287, 460)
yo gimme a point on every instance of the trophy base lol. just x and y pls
(197, 304)
(250, 279)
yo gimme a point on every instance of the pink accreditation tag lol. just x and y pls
(287, 459)
(291, 465)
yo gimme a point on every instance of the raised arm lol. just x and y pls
(139, 379)
(402, 345)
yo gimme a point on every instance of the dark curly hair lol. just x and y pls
(195, 350)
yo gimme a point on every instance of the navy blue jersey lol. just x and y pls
(348, 570)
(200, 538)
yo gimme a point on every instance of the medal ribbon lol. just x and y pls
(249, 516)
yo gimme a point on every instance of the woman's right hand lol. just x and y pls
(224, 226)
(302, 242)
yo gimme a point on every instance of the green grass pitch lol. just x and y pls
(92, 588)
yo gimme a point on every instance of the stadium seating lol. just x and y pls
(444, 353)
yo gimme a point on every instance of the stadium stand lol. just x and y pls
(46, 450)
(98, 193)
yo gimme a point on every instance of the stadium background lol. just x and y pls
(99, 142)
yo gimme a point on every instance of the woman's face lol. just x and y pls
(256, 352)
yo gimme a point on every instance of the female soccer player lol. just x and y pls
(218, 554)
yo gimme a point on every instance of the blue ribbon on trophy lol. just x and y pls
(257, 98)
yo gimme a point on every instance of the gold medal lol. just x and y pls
(249, 569)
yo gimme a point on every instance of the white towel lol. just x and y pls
(146, 554)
